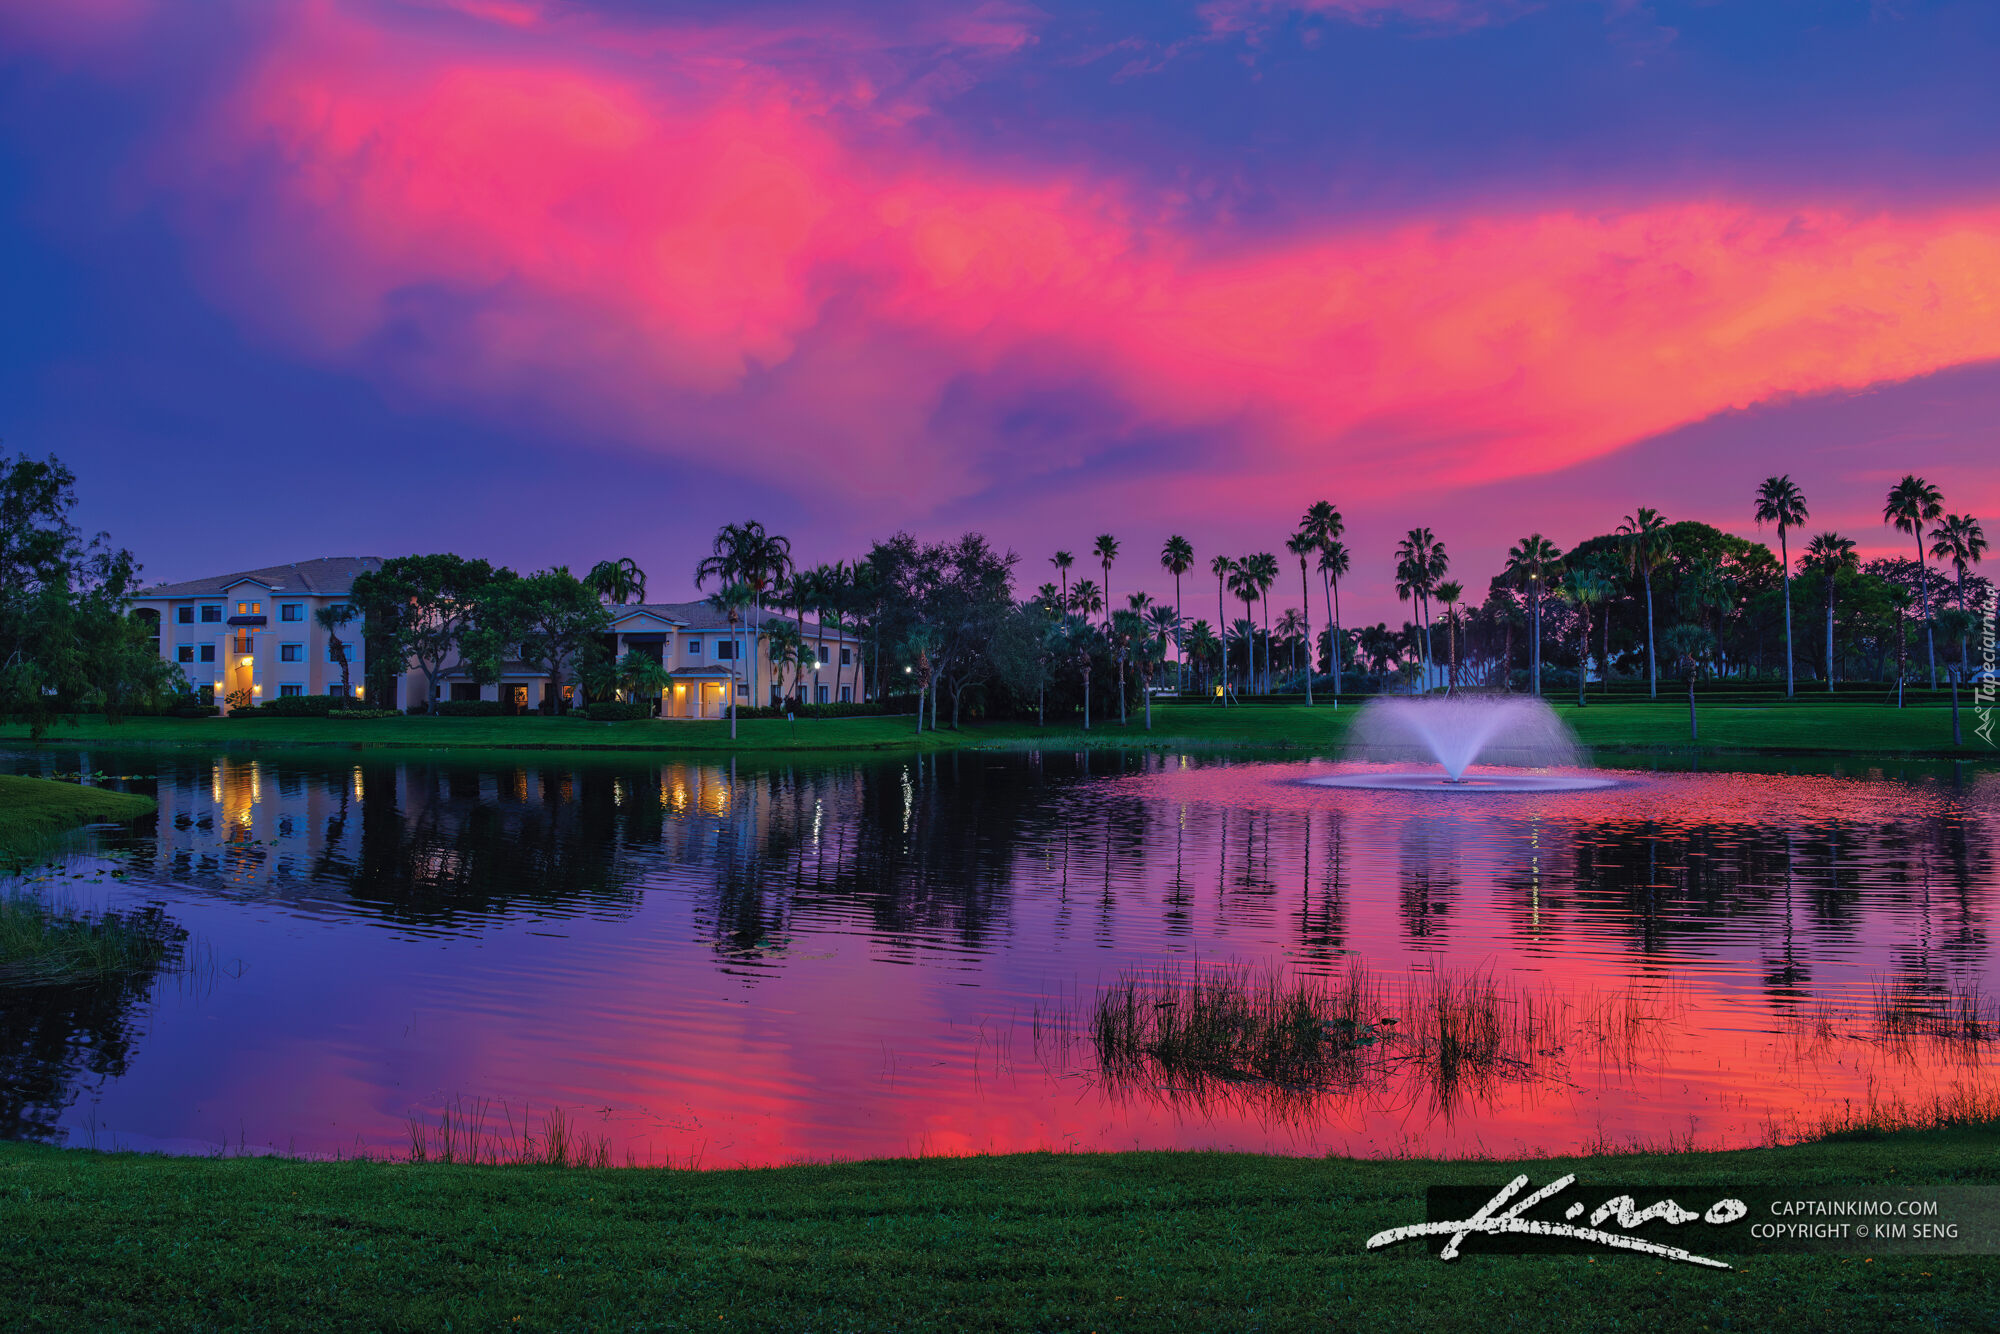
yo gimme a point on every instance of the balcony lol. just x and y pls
(243, 644)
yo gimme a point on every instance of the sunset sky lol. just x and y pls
(553, 280)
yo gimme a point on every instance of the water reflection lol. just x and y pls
(774, 960)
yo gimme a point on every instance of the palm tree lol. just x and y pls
(1647, 545)
(1912, 503)
(1165, 623)
(1333, 562)
(1303, 544)
(1781, 502)
(330, 620)
(745, 553)
(1409, 585)
(1080, 639)
(1264, 568)
(1586, 585)
(1532, 560)
(732, 600)
(918, 646)
(1203, 647)
(1084, 599)
(1177, 558)
(1062, 560)
(1293, 630)
(1243, 583)
(1244, 631)
(1829, 555)
(1449, 592)
(1106, 551)
(1960, 540)
(1689, 646)
(1127, 628)
(617, 581)
(1223, 568)
(1151, 653)
(644, 676)
(1421, 562)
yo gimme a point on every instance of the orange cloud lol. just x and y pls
(708, 252)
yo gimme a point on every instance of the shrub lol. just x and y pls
(612, 711)
(192, 709)
(466, 708)
(301, 706)
(357, 715)
(813, 711)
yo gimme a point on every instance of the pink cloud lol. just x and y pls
(697, 242)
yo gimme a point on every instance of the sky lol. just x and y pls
(549, 281)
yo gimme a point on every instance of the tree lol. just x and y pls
(1224, 570)
(1085, 599)
(965, 589)
(1079, 640)
(617, 581)
(1781, 502)
(1585, 586)
(1322, 523)
(1334, 560)
(644, 677)
(1647, 546)
(1960, 540)
(1293, 631)
(1303, 544)
(331, 619)
(1243, 583)
(1106, 551)
(1912, 503)
(551, 620)
(1830, 555)
(1263, 569)
(1204, 648)
(1449, 592)
(1062, 560)
(1127, 628)
(1150, 653)
(1532, 561)
(1177, 558)
(421, 609)
(1689, 646)
(732, 601)
(65, 636)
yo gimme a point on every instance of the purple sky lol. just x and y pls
(551, 281)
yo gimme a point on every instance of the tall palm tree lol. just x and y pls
(1244, 631)
(1303, 544)
(745, 553)
(1647, 545)
(1533, 560)
(1420, 563)
(1586, 586)
(1449, 592)
(1334, 560)
(1243, 583)
(1293, 630)
(1203, 647)
(1127, 628)
(1323, 524)
(617, 581)
(330, 620)
(1781, 502)
(1829, 555)
(1106, 551)
(1912, 503)
(1960, 540)
(1062, 560)
(1085, 599)
(1264, 568)
(1177, 558)
(733, 601)
(1223, 568)
(1409, 582)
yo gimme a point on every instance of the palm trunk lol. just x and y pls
(1784, 554)
(1535, 653)
(1924, 586)
(1086, 699)
(1305, 610)
(1180, 643)
(1829, 632)
(1652, 668)
(1149, 704)
(1582, 654)
(1694, 727)
(1336, 645)
(1222, 628)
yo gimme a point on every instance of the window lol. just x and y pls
(464, 690)
(292, 611)
(291, 653)
(208, 653)
(822, 694)
(694, 648)
(186, 652)
(211, 614)
(725, 648)
(336, 691)
(847, 694)
(249, 609)
(847, 657)
(289, 691)
(743, 690)
(184, 615)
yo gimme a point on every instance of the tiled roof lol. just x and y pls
(701, 616)
(329, 576)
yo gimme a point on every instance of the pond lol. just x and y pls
(715, 964)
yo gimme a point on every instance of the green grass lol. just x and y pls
(35, 810)
(1730, 723)
(1032, 1241)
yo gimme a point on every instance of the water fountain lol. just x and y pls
(1454, 733)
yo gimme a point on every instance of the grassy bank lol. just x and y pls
(34, 810)
(1732, 723)
(1036, 1241)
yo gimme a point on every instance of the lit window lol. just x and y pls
(249, 608)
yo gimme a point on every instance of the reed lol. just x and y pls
(469, 1134)
(50, 941)
(1956, 1015)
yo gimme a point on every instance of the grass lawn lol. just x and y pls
(33, 810)
(1178, 1241)
(1728, 723)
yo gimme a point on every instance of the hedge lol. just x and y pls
(300, 706)
(611, 711)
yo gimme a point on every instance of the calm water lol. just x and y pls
(848, 959)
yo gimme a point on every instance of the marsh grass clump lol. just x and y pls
(52, 942)
(470, 1134)
(1954, 1015)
